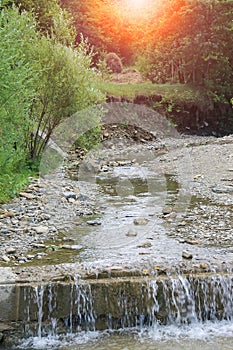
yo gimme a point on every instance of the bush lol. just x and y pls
(114, 62)
(42, 83)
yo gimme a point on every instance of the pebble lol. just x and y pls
(145, 245)
(5, 258)
(167, 210)
(41, 229)
(141, 221)
(131, 234)
(70, 195)
(11, 250)
(203, 266)
(93, 222)
(38, 245)
(186, 255)
(27, 195)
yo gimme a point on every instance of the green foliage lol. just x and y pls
(17, 34)
(193, 44)
(90, 139)
(63, 88)
(51, 19)
(43, 82)
(147, 88)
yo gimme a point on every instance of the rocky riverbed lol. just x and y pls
(40, 220)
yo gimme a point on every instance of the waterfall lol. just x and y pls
(69, 308)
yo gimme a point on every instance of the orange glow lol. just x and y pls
(136, 9)
(137, 4)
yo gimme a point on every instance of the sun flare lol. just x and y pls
(137, 4)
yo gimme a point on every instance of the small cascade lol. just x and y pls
(70, 308)
(187, 300)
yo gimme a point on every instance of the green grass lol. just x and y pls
(12, 184)
(130, 90)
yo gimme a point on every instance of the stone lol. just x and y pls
(22, 259)
(167, 210)
(192, 242)
(7, 214)
(27, 195)
(5, 259)
(41, 229)
(131, 234)
(141, 221)
(30, 257)
(187, 255)
(38, 245)
(145, 245)
(93, 223)
(10, 250)
(203, 266)
(71, 200)
(70, 195)
(225, 189)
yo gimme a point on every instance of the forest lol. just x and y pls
(52, 53)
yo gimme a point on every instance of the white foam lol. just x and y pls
(196, 331)
(57, 342)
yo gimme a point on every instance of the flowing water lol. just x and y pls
(164, 312)
(167, 313)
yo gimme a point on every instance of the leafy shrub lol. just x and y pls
(43, 82)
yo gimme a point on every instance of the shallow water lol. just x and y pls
(206, 336)
(123, 195)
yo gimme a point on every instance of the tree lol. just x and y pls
(64, 87)
(17, 35)
(51, 19)
(192, 43)
(42, 82)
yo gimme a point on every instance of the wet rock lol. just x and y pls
(131, 234)
(1, 337)
(41, 229)
(140, 221)
(187, 255)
